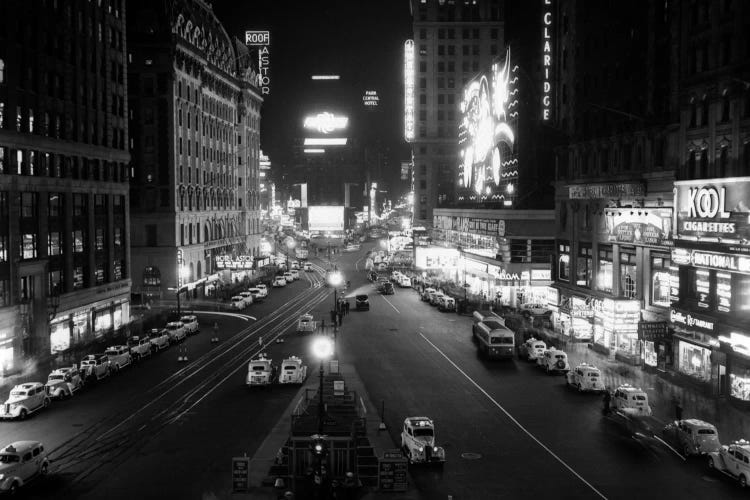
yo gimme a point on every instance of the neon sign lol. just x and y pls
(326, 122)
(371, 98)
(546, 60)
(264, 80)
(257, 38)
(488, 163)
(409, 90)
(714, 211)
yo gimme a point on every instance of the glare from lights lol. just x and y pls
(325, 141)
(314, 150)
(326, 122)
(322, 348)
(335, 279)
(325, 77)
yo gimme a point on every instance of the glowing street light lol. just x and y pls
(335, 280)
(322, 348)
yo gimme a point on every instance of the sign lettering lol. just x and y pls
(688, 320)
(254, 38)
(546, 59)
(598, 191)
(409, 90)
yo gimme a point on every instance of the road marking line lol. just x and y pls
(245, 317)
(389, 302)
(512, 419)
(668, 446)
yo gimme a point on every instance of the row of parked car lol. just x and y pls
(438, 299)
(30, 397)
(253, 294)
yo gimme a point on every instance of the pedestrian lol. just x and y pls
(678, 410)
(340, 317)
(333, 317)
(323, 324)
(607, 400)
(346, 307)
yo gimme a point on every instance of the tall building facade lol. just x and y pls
(64, 219)
(453, 40)
(195, 145)
(614, 190)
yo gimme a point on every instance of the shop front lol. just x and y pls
(74, 328)
(574, 315)
(693, 344)
(616, 329)
(736, 346)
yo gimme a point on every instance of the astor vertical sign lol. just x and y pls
(261, 40)
(546, 59)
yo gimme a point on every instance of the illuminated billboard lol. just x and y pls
(436, 258)
(409, 90)
(326, 122)
(488, 161)
(324, 218)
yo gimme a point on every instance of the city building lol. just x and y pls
(615, 178)
(452, 41)
(64, 218)
(710, 293)
(195, 122)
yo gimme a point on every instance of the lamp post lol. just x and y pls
(183, 274)
(335, 279)
(322, 348)
(290, 244)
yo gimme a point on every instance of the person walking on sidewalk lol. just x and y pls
(340, 318)
(346, 307)
(607, 400)
(677, 410)
(333, 317)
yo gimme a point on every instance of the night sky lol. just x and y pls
(361, 41)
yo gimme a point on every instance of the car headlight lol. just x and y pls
(13, 406)
(420, 449)
(434, 448)
(2, 476)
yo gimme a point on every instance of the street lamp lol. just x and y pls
(335, 279)
(322, 348)
(183, 271)
(290, 244)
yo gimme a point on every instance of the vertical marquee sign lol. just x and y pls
(546, 59)
(261, 40)
(409, 90)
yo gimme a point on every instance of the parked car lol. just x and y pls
(238, 303)
(553, 361)
(532, 349)
(64, 382)
(387, 288)
(190, 323)
(382, 266)
(140, 347)
(260, 371)
(20, 463)
(295, 274)
(362, 303)
(426, 294)
(176, 331)
(446, 303)
(308, 266)
(295, 265)
(585, 377)
(292, 371)
(535, 309)
(25, 399)
(631, 401)
(279, 281)
(159, 339)
(435, 298)
(418, 441)
(732, 460)
(95, 367)
(263, 290)
(306, 324)
(119, 356)
(288, 276)
(247, 297)
(255, 294)
(404, 281)
(692, 436)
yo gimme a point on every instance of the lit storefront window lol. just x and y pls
(604, 276)
(695, 361)
(660, 281)
(59, 338)
(649, 353)
(563, 263)
(102, 322)
(739, 384)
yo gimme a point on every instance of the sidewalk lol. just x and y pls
(261, 462)
(663, 389)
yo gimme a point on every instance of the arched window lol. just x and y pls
(723, 162)
(151, 276)
(198, 268)
(206, 233)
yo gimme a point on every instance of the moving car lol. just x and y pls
(553, 361)
(404, 281)
(279, 281)
(260, 371)
(692, 436)
(20, 463)
(532, 349)
(387, 288)
(294, 265)
(247, 297)
(159, 339)
(418, 441)
(176, 331)
(288, 277)
(308, 266)
(382, 266)
(585, 377)
(64, 382)
(493, 338)
(190, 323)
(25, 399)
(362, 303)
(238, 303)
(295, 274)
(306, 324)
(732, 460)
(292, 371)
(119, 356)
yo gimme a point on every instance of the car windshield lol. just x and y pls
(56, 377)
(172, 327)
(290, 368)
(9, 459)
(423, 432)
(706, 431)
(17, 393)
(504, 340)
(259, 368)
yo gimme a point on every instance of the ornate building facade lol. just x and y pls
(64, 219)
(195, 145)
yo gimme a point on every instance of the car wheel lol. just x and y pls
(13, 488)
(687, 451)
(580, 387)
(23, 414)
(46, 402)
(45, 468)
(711, 463)
(743, 481)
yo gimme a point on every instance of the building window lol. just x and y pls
(55, 205)
(100, 274)
(79, 204)
(3, 248)
(584, 266)
(117, 238)
(99, 237)
(54, 279)
(28, 205)
(28, 246)
(53, 243)
(563, 262)
(78, 241)
(604, 276)
(77, 278)
(660, 280)
(628, 275)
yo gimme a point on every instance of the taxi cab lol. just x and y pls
(418, 441)
(20, 463)
(585, 378)
(692, 436)
(631, 400)
(532, 349)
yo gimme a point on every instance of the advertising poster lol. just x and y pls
(436, 258)
(643, 226)
(324, 218)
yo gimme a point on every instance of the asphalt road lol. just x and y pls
(168, 429)
(509, 430)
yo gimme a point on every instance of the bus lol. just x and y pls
(494, 340)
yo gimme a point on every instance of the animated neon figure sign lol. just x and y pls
(326, 122)
(486, 134)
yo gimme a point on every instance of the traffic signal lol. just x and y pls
(319, 446)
